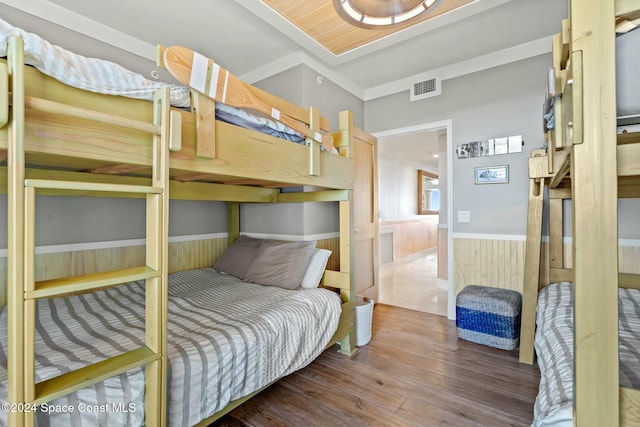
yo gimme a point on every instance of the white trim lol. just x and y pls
(293, 237)
(448, 125)
(473, 65)
(76, 22)
(481, 236)
(545, 239)
(443, 226)
(79, 23)
(109, 244)
(300, 58)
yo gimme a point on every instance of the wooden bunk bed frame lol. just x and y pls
(58, 140)
(587, 163)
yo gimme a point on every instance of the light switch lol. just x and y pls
(464, 216)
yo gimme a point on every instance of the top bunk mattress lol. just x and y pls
(106, 77)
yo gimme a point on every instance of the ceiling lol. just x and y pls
(254, 41)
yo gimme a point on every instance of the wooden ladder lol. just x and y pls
(24, 290)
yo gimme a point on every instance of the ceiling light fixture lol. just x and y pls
(379, 13)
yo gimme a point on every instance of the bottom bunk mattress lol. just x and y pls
(226, 339)
(554, 349)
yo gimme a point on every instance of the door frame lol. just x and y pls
(430, 126)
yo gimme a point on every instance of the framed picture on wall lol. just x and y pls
(492, 175)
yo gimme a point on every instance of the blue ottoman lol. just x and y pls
(489, 316)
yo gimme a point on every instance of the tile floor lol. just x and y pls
(413, 285)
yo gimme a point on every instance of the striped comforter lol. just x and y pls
(226, 339)
(554, 348)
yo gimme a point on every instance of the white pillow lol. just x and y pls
(315, 269)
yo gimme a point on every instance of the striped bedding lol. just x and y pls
(101, 76)
(554, 348)
(247, 335)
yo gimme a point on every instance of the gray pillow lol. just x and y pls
(239, 256)
(280, 263)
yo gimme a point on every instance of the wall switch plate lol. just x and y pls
(464, 216)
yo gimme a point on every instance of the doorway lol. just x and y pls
(415, 255)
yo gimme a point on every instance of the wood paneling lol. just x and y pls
(443, 253)
(495, 263)
(412, 236)
(182, 256)
(500, 263)
(321, 22)
(414, 372)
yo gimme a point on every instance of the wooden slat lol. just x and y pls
(628, 159)
(531, 270)
(4, 101)
(627, 8)
(69, 285)
(555, 233)
(314, 147)
(90, 186)
(205, 114)
(314, 196)
(70, 111)
(627, 280)
(336, 279)
(629, 407)
(56, 387)
(628, 138)
(560, 275)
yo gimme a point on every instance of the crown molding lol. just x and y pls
(469, 66)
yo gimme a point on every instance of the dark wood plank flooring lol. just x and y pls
(414, 372)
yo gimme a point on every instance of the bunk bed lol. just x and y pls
(587, 331)
(62, 140)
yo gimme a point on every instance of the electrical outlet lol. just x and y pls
(464, 216)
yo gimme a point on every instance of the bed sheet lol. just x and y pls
(554, 350)
(248, 335)
(101, 76)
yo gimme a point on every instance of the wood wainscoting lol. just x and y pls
(411, 236)
(499, 263)
(488, 262)
(443, 253)
(183, 255)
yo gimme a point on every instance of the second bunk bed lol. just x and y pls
(579, 309)
(159, 328)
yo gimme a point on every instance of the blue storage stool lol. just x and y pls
(489, 316)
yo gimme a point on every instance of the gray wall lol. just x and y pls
(300, 86)
(64, 220)
(501, 101)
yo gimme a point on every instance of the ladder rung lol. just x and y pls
(59, 386)
(67, 285)
(90, 186)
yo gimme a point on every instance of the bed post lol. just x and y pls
(233, 222)
(345, 124)
(15, 234)
(595, 224)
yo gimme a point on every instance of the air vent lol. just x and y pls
(425, 89)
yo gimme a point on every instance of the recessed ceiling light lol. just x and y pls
(435, 156)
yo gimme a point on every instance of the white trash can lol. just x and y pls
(364, 316)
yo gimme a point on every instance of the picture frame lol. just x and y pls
(492, 174)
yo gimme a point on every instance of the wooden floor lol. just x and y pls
(414, 372)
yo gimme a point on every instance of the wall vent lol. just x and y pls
(425, 89)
